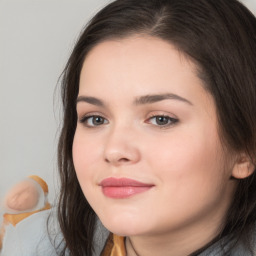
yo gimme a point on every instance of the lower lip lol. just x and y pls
(123, 192)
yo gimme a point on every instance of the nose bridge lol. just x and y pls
(120, 146)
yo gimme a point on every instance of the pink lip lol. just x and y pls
(123, 187)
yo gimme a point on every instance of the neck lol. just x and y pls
(176, 244)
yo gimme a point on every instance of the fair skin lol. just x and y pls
(178, 153)
(23, 196)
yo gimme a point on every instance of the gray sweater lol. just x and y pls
(30, 238)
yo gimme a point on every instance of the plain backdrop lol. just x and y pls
(36, 38)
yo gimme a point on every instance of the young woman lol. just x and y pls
(159, 134)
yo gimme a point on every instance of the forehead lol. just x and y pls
(137, 46)
(137, 60)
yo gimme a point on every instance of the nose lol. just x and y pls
(121, 148)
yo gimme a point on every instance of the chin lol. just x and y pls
(123, 230)
(124, 225)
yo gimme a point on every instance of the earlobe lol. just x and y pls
(243, 167)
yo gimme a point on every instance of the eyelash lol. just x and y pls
(84, 120)
(170, 120)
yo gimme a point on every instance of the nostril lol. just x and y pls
(121, 156)
(120, 160)
(123, 160)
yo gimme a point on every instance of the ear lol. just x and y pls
(243, 167)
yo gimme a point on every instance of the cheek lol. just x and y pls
(86, 158)
(191, 158)
(191, 174)
(84, 151)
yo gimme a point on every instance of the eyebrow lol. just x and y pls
(91, 100)
(142, 100)
(148, 99)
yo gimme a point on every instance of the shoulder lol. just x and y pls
(227, 248)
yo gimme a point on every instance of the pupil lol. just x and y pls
(161, 120)
(98, 120)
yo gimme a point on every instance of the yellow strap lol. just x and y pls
(14, 219)
(114, 246)
(119, 247)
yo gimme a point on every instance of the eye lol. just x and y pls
(162, 120)
(93, 120)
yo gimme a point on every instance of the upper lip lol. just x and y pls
(123, 182)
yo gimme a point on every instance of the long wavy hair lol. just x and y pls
(219, 36)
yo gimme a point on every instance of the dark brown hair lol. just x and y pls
(220, 37)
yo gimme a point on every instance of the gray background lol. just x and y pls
(36, 37)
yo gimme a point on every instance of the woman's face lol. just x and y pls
(146, 149)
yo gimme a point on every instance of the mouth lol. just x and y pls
(123, 187)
